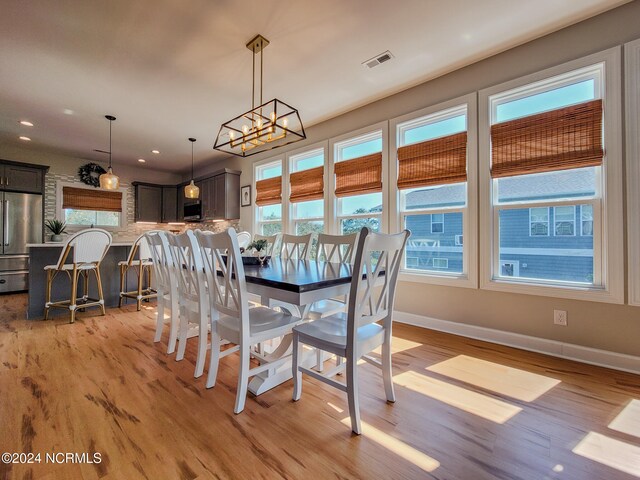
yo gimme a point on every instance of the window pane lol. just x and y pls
(297, 165)
(271, 212)
(269, 171)
(436, 251)
(586, 217)
(435, 129)
(271, 228)
(354, 225)
(309, 226)
(91, 217)
(109, 219)
(311, 209)
(360, 149)
(370, 202)
(580, 182)
(564, 220)
(561, 258)
(542, 102)
(438, 196)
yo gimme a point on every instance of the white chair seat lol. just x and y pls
(326, 308)
(262, 320)
(69, 266)
(330, 334)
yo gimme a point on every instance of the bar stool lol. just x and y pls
(89, 248)
(143, 264)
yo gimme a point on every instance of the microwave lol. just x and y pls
(193, 211)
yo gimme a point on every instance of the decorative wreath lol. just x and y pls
(90, 174)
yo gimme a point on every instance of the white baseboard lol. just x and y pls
(592, 356)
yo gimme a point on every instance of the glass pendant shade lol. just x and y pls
(192, 190)
(109, 181)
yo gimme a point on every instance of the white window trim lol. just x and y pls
(632, 82)
(612, 225)
(457, 241)
(469, 276)
(331, 212)
(291, 224)
(122, 223)
(555, 221)
(285, 186)
(548, 222)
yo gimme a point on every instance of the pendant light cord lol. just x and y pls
(191, 160)
(110, 122)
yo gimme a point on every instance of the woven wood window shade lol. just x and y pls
(569, 137)
(434, 162)
(359, 175)
(307, 185)
(91, 199)
(269, 191)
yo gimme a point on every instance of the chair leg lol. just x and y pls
(85, 281)
(182, 334)
(100, 294)
(74, 293)
(297, 374)
(243, 378)
(352, 394)
(122, 284)
(139, 296)
(160, 319)
(319, 362)
(203, 336)
(215, 357)
(387, 374)
(174, 323)
(48, 295)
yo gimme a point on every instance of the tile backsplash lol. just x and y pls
(131, 230)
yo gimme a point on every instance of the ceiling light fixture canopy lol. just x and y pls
(192, 190)
(269, 125)
(109, 181)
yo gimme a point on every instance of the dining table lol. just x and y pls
(293, 285)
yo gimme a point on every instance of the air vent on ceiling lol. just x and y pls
(378, 59)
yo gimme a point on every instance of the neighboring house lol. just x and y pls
(534, 242)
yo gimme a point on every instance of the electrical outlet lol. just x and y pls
(560, 317)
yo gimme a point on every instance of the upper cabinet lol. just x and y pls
(148, 203)
(226, 196)
(169, 204)
(27, 178)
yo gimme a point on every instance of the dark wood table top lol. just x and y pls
(298, 276)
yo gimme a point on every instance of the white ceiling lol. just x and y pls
(171, 69)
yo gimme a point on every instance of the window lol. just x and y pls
(87, 206)
(360, 207)
(539, 221)
(564, 220)
(435, 172)
(549, 154)
(269, 215)
(307, 216)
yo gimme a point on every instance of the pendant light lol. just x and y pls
(109, 181)
(192, 190)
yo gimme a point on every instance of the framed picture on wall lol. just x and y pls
(245, 196)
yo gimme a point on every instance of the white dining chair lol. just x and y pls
(365, 326)
(139, 260)
(194, 308)
(231, 318)
(166, 284)
(272, 242)
(89, 249)
(244, 239)
(296, 246)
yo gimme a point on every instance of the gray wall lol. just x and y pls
(609, 327)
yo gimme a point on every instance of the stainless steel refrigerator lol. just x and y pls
(21, 223)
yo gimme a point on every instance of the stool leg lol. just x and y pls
(100, 295)
(74, 293)
(139, 296)
(47, 296)
(85, 275)
(122, 284)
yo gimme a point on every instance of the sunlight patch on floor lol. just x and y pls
(628, 420)
(403, 450)
(611, 452)
(472, 402)
(509, 381)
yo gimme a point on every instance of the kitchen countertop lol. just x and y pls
(62, 244)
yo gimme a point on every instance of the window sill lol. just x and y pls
(590, 294)
(434, 279)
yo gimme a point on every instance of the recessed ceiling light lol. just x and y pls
(26, 139)
(26, 123)
(155, 151)
(68, 111)
(141, 160)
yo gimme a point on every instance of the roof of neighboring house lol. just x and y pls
(567, 183)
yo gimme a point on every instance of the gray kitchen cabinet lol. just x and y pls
(169, 204)
(21, 178)
(148, 202)
(181, 200)
(226, 205)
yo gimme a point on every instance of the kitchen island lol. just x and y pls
(43, 254)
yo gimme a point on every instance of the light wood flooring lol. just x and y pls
(465, 409)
